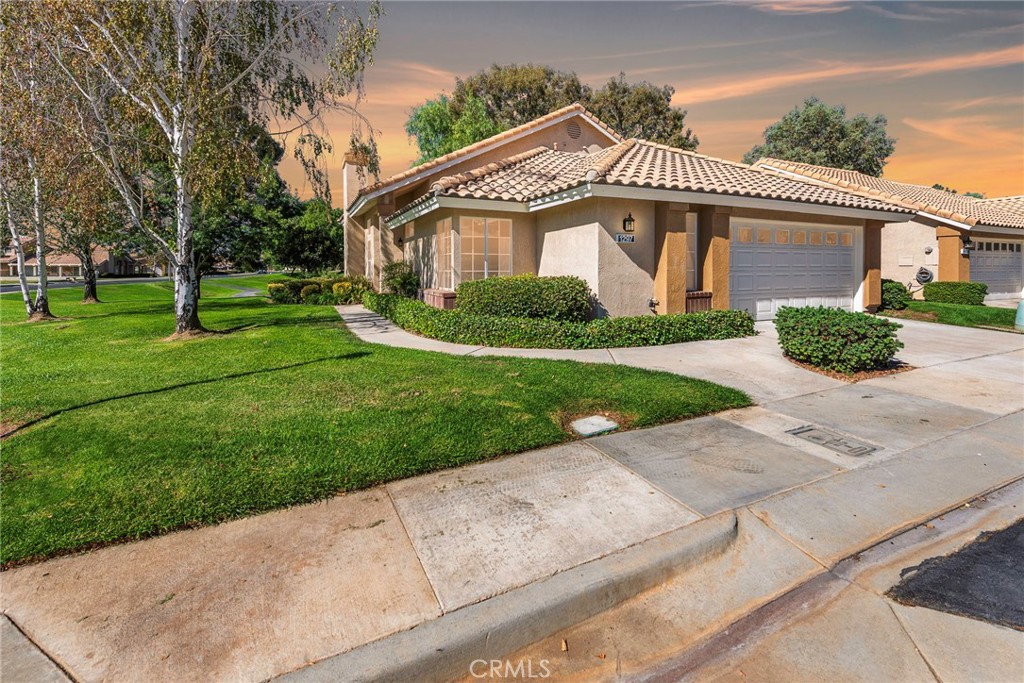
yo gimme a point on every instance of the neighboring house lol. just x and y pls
(953, 236)
(63, 265)
(649, 227)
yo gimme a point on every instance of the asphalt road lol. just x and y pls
(6, 288)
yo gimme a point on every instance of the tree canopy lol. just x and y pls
(505, 96)
(821, 134)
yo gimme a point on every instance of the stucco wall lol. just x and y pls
(566, 240)
(903, 251)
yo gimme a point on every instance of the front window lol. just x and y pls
(444, 254)
(486, 247)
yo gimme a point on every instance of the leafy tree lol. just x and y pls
(643, 110)
(181, 82)
(976, 195)
(503, 97)
(821, 134)
(310, 241)
(439, 131)
(514, 94)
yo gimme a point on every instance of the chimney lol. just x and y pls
(353, 178)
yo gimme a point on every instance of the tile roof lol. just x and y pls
(504, 135)
(638, 163)
(957, 207)
(1013, 204)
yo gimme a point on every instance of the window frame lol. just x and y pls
(486, 251)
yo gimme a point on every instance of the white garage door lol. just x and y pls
(1000, 265)
(771, 266)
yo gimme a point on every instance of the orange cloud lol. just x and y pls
(715, 89)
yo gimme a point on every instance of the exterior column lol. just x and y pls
(670, 253)
(872, 269)
(713, 253)
(953, 266)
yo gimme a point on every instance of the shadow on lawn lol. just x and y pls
(237, 375)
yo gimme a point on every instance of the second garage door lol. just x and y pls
(1000, 265)
(771, 266)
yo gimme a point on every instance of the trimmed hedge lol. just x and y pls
(895, 296)
(325, 291)
(460, 327)
(563, 298)
(967, 293)
(834, 339)
(400, 278)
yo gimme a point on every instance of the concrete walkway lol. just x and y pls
(460, 553)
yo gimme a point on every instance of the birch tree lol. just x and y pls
(25, 88)
(179, 83)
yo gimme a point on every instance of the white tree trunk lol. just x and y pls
(41, 306)
(19, 254)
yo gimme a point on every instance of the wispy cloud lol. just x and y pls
(913, 15)
(719, 89)
(990, 101)
(800, 6)
(979, 131)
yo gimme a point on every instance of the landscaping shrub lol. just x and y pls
(399, 278)
(833, 339)
(461, 327)
(968, 293)
(328, 291)
(563, 298)
(307, 292)
(895, 296)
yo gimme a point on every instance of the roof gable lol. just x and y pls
(494, 146)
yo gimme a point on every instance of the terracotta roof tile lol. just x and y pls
(1013, 204)
(957, 207)
(637, 163)
(504, 135)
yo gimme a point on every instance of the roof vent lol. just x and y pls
(573, 129)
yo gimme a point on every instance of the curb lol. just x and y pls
(444, 648)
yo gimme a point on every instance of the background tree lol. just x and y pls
(310, 241)
(503, 97)
(643, 110)
(976, 195)
(821, 134)
(182, 82)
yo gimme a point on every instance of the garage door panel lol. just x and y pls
(1000, 265)
(816, 271)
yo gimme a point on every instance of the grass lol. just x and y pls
(129, 435)
(958, 314)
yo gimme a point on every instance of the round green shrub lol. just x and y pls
(967, 293)
(895, 296)
(308, 292)
(833, 339)
(562, 298)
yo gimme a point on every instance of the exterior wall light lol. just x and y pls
(628, 223)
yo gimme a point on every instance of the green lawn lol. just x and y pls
(959, 314)
(135, 435)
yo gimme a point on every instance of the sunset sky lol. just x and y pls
(949, 76)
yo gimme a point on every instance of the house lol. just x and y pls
(952, 236)
(64, 265)
(649, 227)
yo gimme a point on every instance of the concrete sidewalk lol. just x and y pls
(456, 552)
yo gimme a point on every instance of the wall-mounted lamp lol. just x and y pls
(400, 241)
(628, 223)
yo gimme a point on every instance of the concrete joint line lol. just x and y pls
(612, 356)
(642, 478)
(46, 655)
(786, 538)
(903, 628)
(408, 536)
(443, 649)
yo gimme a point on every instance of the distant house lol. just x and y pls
(649, 227)
(951, 236)
(64, 265)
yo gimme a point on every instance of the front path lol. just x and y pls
(258, 597)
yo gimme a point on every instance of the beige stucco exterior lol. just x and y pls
(906, 248)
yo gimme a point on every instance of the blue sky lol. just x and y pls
(949, 76)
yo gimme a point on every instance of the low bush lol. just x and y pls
(399, 278)
(563, 298)
(460, 327)
(967, 293)
(895, 296)
(833, 339)
(327, 291)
